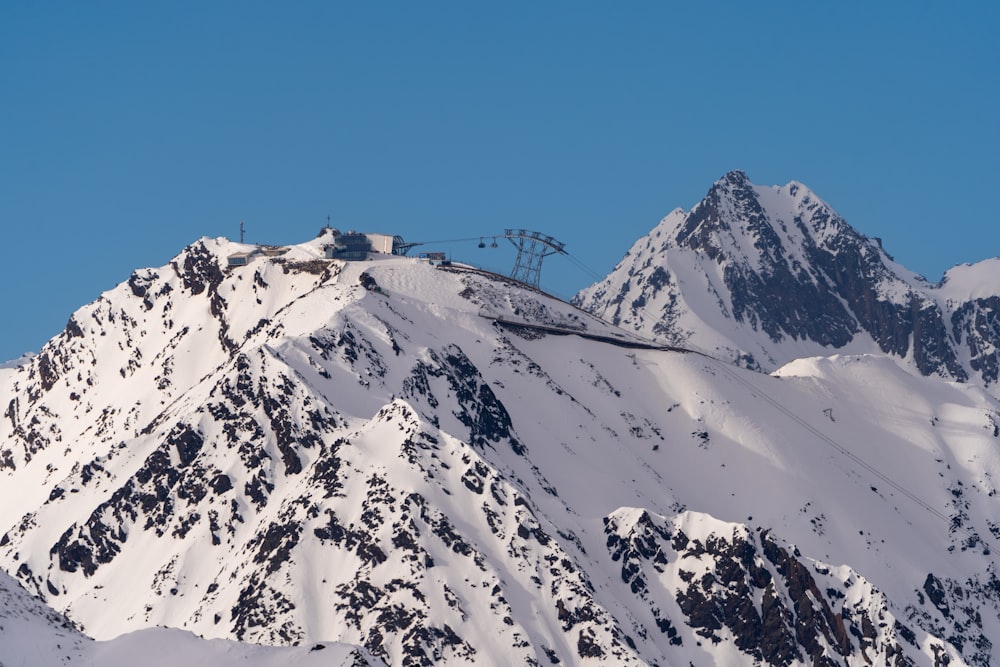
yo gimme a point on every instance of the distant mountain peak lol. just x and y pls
(736, 178)
(765, 275)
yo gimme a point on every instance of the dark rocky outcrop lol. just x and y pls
(779, 608)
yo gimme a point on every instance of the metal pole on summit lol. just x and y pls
(242, 231)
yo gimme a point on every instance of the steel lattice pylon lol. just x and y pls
(532, 248)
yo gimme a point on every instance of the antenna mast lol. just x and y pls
(243, 231)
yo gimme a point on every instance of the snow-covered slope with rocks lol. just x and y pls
(304, 450)
(765, 275)
(33, 635)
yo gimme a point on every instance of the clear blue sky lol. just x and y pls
(130, 129)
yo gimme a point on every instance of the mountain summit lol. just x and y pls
(766, 275)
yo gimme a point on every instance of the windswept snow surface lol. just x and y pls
(976, 281)
(305, 450)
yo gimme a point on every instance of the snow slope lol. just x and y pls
(305, 450)
(31, 635)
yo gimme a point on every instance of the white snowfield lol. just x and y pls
(282, 454)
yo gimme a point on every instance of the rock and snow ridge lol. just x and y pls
(31, 635)
(304, 450)
(766, 275)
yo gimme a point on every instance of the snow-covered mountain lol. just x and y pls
(445, 467)
(771, 274)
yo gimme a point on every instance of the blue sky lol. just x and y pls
(130, 129)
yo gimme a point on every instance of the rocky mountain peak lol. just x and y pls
(765, 275)
(734, 186)
(736, 179)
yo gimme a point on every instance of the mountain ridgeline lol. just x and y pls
(769, 274)
(423, 465)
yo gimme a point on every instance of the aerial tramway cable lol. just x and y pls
(583, 267)
(481, 242)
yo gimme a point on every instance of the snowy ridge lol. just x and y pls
(32, 634)
(303, 450)
(766, 275)
(15, 363)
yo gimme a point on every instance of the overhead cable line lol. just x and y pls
(583, 267)
(471, 238)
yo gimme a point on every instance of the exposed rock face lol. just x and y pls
(776, 606)
(767, 275)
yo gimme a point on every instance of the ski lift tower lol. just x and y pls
(532, 248)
